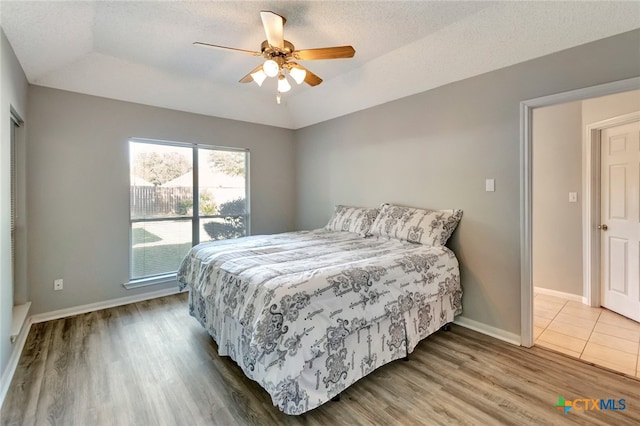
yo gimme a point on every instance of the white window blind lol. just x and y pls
(15, 123)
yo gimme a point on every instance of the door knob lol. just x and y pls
(603, 227)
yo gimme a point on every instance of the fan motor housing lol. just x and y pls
(272, 52)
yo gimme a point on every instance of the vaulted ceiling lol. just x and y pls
(142, 51)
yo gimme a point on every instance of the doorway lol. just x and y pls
(555, 305)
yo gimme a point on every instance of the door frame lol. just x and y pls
(526, 186)
(591, 237)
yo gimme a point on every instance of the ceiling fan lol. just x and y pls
(280, 56)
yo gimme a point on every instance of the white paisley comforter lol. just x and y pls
(297, 296)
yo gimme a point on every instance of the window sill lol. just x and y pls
(18, 318)
(145, 282)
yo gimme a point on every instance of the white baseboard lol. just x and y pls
(111, 303)
(560, 294)
(10, 370)
(499, 334)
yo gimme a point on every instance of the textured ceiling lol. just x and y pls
(142, 51)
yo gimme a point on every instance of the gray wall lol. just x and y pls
(78, 187)
(557, 223)
(13, 93)
(436, 149)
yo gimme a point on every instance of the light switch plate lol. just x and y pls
(573, 197)
(490, 185)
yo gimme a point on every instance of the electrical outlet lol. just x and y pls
(58, 284)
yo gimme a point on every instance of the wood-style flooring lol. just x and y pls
(149, 363)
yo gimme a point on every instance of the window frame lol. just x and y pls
(195, 217)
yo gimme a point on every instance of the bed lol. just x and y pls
(306, 314)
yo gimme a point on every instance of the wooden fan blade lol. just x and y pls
(311, 79)
(325, 53)
(247, 78)
(274, 28)
(213, 46)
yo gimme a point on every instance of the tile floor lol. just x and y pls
(595, 335)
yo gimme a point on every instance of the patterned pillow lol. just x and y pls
(352, 219)
(428, 227)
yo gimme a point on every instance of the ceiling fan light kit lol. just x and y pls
(278, 54)
(298, 74)
(283, 84)
(271, 68)
(259, 77)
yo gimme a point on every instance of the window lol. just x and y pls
(16, 149)
(181, 195)
(13, 204)
(15, 124)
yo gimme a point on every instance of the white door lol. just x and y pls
(620, 219)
